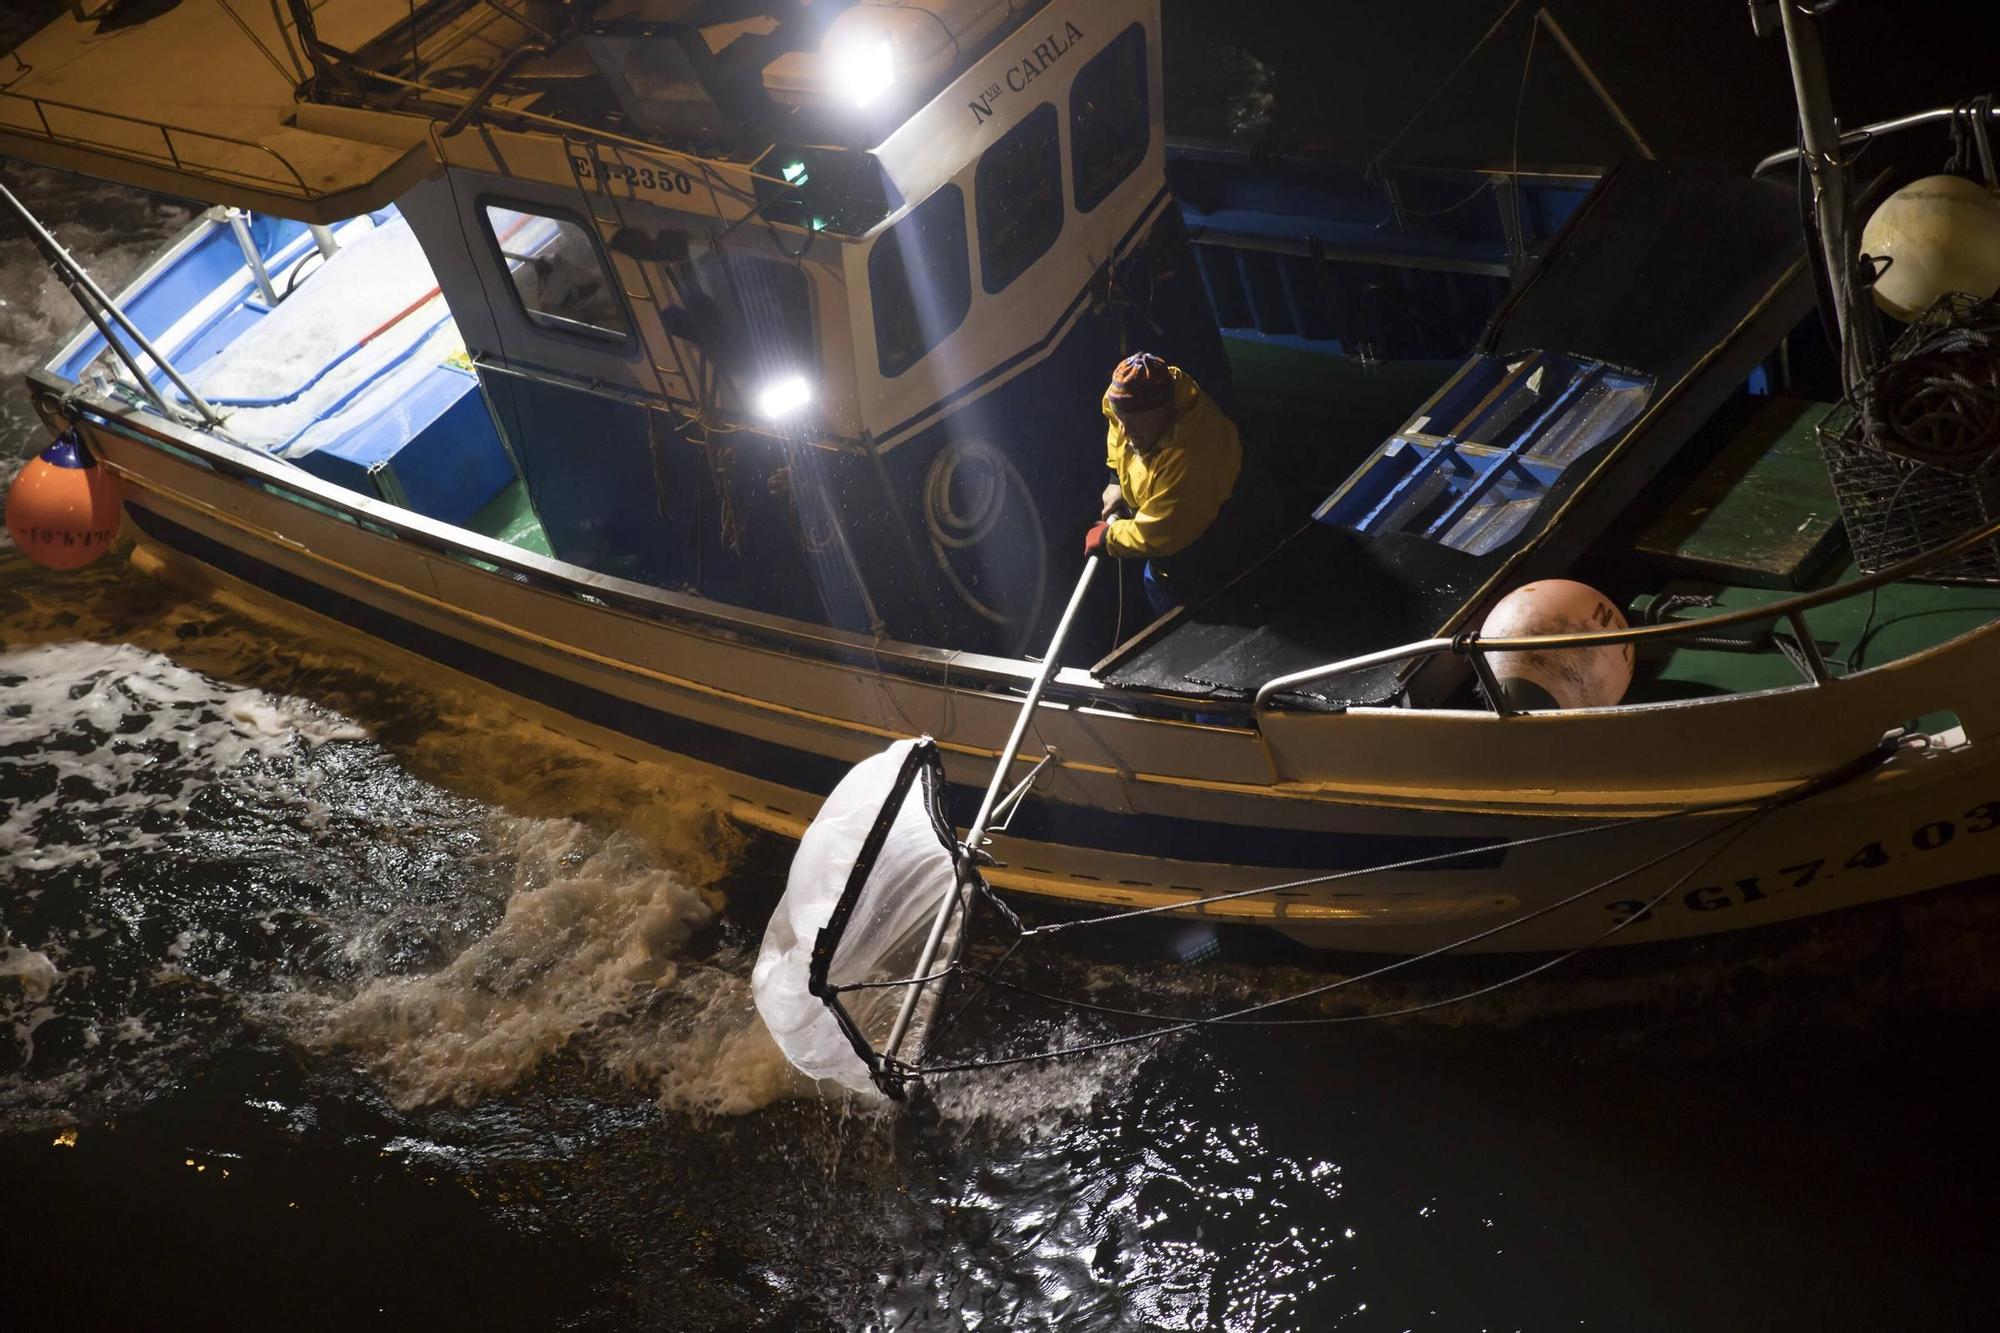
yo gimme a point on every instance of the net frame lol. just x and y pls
(922, 764)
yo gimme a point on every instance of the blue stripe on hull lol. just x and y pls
(1088, 828)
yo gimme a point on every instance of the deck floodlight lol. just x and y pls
(863, 70)
(783, 396)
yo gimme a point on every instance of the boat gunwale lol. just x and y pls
(1474, 645)
(244, 463)
(1409, 797)
(1073, 686)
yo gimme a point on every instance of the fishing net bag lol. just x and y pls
(843, 947)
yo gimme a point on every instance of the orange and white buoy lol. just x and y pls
(63, 510)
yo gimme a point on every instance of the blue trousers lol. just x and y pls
(1242, 531)
(1159, 596)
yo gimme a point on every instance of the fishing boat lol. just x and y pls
(721, 380)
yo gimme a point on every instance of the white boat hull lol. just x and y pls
(1146, 811)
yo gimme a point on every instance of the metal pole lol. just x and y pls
(60, 257)
(240, 224)
(1828, 168)
(1871, 131)
(977, 833)
(104, 330)
(1548, 20)
(323, 237)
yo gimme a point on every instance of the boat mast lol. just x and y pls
(1822, 153)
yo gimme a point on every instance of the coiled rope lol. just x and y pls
(1938, 402)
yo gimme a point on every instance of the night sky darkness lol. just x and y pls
(1346, 74)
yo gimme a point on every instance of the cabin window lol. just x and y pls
(558, 273)
(920, 281)
(1110, 123)
(1018, 193)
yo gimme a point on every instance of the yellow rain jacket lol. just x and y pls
(1175, 491)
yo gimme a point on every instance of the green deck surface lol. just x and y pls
(1762, 513)
(1314, 417)
(1758, 524)
(510, 518)
(1904, 618)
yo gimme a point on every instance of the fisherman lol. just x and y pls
(1196, 511)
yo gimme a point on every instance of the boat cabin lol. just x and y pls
(802, 309)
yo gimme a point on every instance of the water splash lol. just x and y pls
(454, 920)
(590, 928)
(704, 1050)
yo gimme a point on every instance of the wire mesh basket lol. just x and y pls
(1894, 505)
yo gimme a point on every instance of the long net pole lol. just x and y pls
(977, 833)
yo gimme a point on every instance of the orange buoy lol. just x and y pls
(63, 510)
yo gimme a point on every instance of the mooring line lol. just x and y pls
(1175, 1024)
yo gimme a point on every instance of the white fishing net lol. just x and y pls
(886, 923)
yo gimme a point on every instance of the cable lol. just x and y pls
(1418, 862)
(1730, 832)
(1477, 190)
(1118, 625)
(1520, 102)
(299, 270)
(1437, 89)
(1238, 1016)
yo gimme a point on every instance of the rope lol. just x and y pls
(1971, 153)
(1938, 402)
(1438, 88)
(1518, 242)
(1413, 863)
(1238, 1017)
(1172, 1025)
(951, 529)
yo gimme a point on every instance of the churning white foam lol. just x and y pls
(102, 716)
(33, 971)
(1029, 1100)
(586, 960)
(589, 930)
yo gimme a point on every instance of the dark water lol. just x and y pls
(334, 992)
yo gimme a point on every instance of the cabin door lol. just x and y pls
(563, 334)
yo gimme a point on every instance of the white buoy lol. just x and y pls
(1940, 234)
(1561, 677)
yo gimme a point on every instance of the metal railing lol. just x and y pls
(1474, 648)
(172, 154)
(1850, 138)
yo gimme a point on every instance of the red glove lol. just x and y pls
(1093, 541)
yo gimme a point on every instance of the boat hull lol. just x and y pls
(1140, 812)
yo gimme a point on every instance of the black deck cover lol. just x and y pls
(1689, 275)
